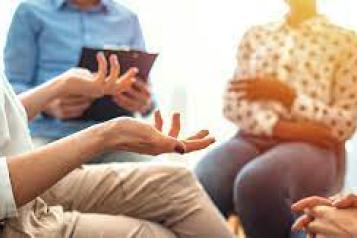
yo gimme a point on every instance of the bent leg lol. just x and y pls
(266, 187)
(218, 169)
(108, 226)
(37, 220)
(164, 194)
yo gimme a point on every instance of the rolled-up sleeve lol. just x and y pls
(7, 201)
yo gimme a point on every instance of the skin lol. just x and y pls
(84, 4)
(137, 98)
(53, 161)
(271, 89)
(328, 217)
(301, 10)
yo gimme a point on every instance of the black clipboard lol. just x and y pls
(104, 108)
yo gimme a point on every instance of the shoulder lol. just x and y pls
(30, 8)
(120, 9)
(259, 32)
(346, 37)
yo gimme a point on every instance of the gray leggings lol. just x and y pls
(259, 179)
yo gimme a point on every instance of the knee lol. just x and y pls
(171, 175)
(252, 185)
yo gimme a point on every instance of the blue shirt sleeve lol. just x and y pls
(20, 56)
(138, 41)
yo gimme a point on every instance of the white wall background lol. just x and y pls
(197, 41)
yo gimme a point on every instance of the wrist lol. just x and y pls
(284, 129)
(91, 142)
(58, 86)
(289, 98)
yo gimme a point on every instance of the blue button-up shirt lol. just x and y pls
(46, 37)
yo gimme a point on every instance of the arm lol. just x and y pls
(50, 164)
(34, 172)
(79, 82)
(20, 55)
(248, 115)
(341, 114)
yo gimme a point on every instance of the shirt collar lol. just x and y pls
(318, 19)
(60, 3)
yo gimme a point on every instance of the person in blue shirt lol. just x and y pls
(45, 39)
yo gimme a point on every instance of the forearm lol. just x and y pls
(36, 99)
(283, 129)
(34, 172)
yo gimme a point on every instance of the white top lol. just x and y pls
(14, 139)
(317, 58)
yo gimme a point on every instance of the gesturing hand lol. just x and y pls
(196, 142)
(81, 82)
(264, 89)
(132, 135)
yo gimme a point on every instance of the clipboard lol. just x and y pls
(104, 109)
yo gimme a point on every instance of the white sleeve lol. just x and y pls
(341, 114)
(4, 125)
(250, 116)
(7, 201)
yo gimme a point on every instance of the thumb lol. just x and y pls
(125, 82)
(173, 145)
(179, 147)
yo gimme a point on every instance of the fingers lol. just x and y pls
(311, 235)
(114, 69)
(75, 100)
(347, 201)
(200, 144)
(125, 82)
(139, 96)
(102, 67)
(175, 125)
(171, 144)
(319, 226)
(201, 134)
(70, 112)
(142, 87)
(128, 102)
(301, 223)
(309, 203)
(158, 120)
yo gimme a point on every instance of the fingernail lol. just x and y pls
(179, 150)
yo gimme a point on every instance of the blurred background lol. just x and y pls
(197, 41)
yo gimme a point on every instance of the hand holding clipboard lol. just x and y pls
(105, 109)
